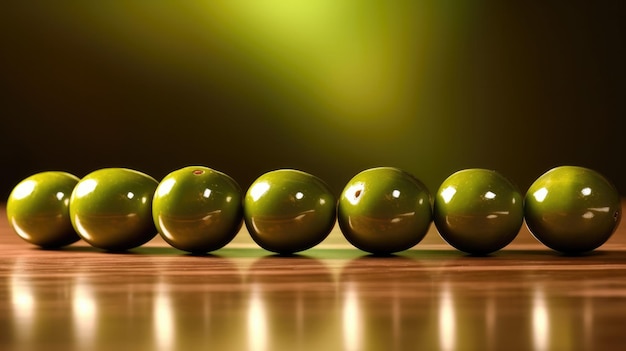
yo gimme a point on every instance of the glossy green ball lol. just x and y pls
(478, 211)
(572, 209)
(287, 211)
(197, 209)
(111, 208)
(38, 209)
(384, 210)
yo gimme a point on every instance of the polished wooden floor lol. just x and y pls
(332, 297)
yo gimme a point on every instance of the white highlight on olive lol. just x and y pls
(21, 232)
(490, 195)
(86, 234)
(207, 193)
(354, 192)
(166, 186)
(258, 190)
(540, 194)
(24, 189)
(85, 187)
(448, 193)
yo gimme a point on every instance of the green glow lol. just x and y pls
(348, 62)
(330, 87)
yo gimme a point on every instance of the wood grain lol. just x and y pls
(332, 297)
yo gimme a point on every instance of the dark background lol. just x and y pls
(328, 87)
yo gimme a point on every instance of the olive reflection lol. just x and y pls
(467, 321)
(291, 304)
(447, 319)
(477, 312)
(387, 304)
(540, 321)
(22, 304)
(199, 304)
(519, 311)
(163, 303)
(561, 322)
(110, 310)
(84, 312)
(38, 299)
(185, 302)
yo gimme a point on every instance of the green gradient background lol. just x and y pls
(328, 87)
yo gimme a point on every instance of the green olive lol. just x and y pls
(38, 209)
(287, 211)
(572, 209)
(478, 211)
(197, 209)
(111, 208)
(384, 210)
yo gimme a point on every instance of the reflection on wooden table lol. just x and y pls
(332, 297)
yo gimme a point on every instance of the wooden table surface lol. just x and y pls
(332, 297)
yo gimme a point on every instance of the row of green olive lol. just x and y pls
(380, 210)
